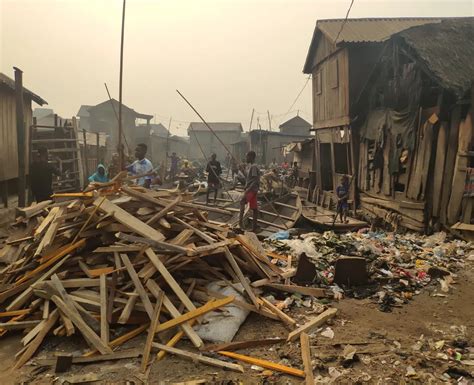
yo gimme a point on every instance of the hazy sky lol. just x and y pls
(226, 56)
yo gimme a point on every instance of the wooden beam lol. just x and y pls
(212, 305)
(199, 358)
(169, 279)
(186, 327)
(306, 356)
(129, 220)
(151, 333)
(138, 285)
(280, 314)
(84, 328)
(160, 214)
(312, 291)
(237, 345)
(314, 323)
(35, 344)
(104, 324)
(240, 276)
(264, 363)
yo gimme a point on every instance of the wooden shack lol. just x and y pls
(390, 103)
(8, 130)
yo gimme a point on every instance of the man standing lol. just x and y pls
(174, 165)
(342, 193)
(141, 166)
(252, 184)
(41, 176)
(213, 170)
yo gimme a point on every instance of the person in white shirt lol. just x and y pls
(141, 166)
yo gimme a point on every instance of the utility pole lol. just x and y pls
(120, 146)
(269, 121)
(251, 119)
(21, 140)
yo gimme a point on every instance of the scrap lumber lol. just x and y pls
(151, 333)
(35, 344)
(212, 305)
(160, 214)
(104, 324)
(129, 220)
(131, 353)
(306, 357)
(264, 363)
(237, 345)
(280, 314)
(314, 323)
(312, 291)
(199, 358)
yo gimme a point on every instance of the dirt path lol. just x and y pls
(384, 345)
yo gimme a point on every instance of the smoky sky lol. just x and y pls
(227, 57)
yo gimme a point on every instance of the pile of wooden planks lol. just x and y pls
(90, 264)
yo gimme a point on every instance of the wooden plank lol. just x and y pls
(237, 345)
(88, 333)
(68, 326)
(314, 323)
(160, 214)
(169, 279)
(280, 314)
(127, 310)
(19, 301)
(142, 196)
(151, 242)
(129, 220)
(240, 275)
(18, 325)
(138, 285)
(35, 344)
(306, 357)
(439, 168)
(118, 249)
(198, 232)
(51, 261)
(212, 305)
(313, 291)
(14, 313)
(32, 210)
(104, 324)
(199, 358)
(186, 327)
(46, 222)
(132, 353)
(151, 332)
(264, 363)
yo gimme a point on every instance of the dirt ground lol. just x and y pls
(391, 348)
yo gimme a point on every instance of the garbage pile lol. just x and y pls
(398, 265)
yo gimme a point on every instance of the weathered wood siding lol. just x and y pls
(331, 96)
(8, 137)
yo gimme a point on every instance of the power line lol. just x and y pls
(298, 96)
(344, 22)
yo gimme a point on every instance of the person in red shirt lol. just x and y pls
(252, 185)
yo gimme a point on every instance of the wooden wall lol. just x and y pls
(8, 137)
(331, 105)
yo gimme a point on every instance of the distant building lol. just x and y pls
(296, 126)
(47, 117)
(201, 137)
(103, 117)
(8, 130)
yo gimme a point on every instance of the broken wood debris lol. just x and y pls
(90, 264)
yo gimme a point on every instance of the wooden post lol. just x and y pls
(86, 158)
(98, 148)
(120, 148)
(21, 134)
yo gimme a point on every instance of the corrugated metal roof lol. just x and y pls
(217, 126)
(10, 83)
(369, 30)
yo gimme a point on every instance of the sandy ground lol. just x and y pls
(386, 345)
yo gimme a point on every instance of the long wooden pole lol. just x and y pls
(165, 163)
(21, 140)
(120, 148)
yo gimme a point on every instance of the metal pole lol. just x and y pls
(269, 120)
(21, 140)
(120, 149)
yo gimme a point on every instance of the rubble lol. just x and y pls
(112, 264)
(398, 265)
